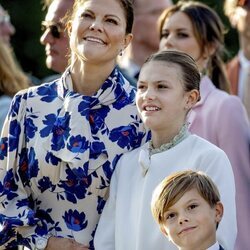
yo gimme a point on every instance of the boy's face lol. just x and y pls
(191, 223)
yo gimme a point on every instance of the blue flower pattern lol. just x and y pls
(57, 155)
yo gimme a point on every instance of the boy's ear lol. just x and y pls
(219, 209)
(163, 230)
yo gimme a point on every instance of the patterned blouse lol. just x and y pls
(58, 150)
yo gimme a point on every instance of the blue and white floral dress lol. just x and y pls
(58, 150)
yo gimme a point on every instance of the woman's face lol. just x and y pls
(178, 33)
(161, 99)
(98, 31)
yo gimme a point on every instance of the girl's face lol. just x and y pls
(98, 31)
(178, 33)
(161, 99)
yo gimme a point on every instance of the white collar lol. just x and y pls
(215, 246)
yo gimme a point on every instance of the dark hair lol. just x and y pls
(126, 5)
(209, 31)
(190, 72)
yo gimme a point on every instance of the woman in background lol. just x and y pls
(12, 80)
(219, 117)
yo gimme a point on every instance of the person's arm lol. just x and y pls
(105, 234)
(218, 167)
(19, 222)
(234, 139)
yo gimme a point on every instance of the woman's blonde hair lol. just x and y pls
(12, 78)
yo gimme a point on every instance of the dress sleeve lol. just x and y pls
(105, 234)
(17, 214)
(234, 139)
(219, 169)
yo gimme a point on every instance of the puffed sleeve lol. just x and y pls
(106, 241)
(234, 140)
(17, 215)
(216, 164)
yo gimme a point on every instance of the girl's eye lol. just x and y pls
(161, 86)
(141, 87)
(113, 21)
(164, 34)
(86, 15)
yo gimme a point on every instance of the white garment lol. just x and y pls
(215, 246)
(127, 223)
(5, 102)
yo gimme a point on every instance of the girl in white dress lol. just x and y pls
(168, 87)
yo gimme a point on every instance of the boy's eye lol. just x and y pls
(192, 206)
(170, 216)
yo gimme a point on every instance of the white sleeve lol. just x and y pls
(105, 234)
(220, 170)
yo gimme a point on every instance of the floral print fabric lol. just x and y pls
(58, 150)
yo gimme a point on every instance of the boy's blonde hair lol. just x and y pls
(173, 187)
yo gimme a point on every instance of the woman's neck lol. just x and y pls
(88, 78)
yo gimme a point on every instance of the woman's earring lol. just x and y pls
(121, 52)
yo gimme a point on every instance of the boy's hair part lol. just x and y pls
(173, 187)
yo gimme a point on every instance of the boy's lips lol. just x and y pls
(186, 229)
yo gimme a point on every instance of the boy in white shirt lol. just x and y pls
(187, 207)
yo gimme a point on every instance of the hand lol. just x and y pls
(55, 243)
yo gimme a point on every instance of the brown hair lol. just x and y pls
(190, 72)
(173, 187)
(12, 78)
(208, 30)
(126, 5)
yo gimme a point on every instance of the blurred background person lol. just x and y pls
(145, 40)
(54, 37)
(238, 69)
(194, 28)
(12, 79)
(6, 28)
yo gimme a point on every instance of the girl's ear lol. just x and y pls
(193, 96)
